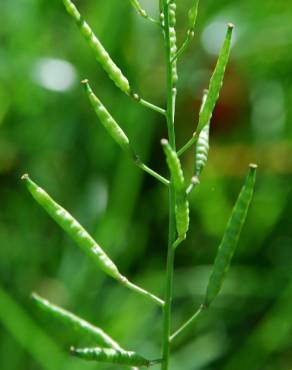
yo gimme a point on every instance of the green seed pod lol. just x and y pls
(231, 236)
(216, 82)
(100, 53)
(202, 147)
(82, 238)
(74, 322)
(182, 204)
(72, 228)
(172, 35)
(192, 15)
(107, 120)
(112, 356)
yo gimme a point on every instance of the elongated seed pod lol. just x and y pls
(202, 146)
(172, 35)
(216, 81)
(231, 236)
(107, 120)
(73, 228)
(192, 15)
(181, 202)
(75, 322)
(112, 356)
(82, 238)
(100, 53)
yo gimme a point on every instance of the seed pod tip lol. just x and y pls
(230, 25)
(84, 81)
(253, 165)
(25, 177)
(164, 142)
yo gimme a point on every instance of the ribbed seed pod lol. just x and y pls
(172, 34)
(100, 53)
(75, 322)
(216, 81)
(82, 238)
(202, 146)
(231, 236)
(72, 228)
(107, 120)
(177, 177)
(112, 356)
(202, 150)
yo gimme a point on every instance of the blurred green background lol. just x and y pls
(48, 129)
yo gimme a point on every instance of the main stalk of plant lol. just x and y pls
(170, 114)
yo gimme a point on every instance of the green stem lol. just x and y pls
(184, 46)
(157, 109)
(145, 293)
(188, 145)
(151, 172)
(147, 104)
(170, 113)
(186, 324)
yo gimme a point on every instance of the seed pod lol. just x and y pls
(73, 228)
(75, 322)
(100, 53)
(112, 356)
(192, 15)
(216, 81)
(107, 120)
(230, 239)
(182, 204)
(172, 35)
(202, 147)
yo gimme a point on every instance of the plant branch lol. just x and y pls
(141, 291)
(187, 323)
(194, 182)
(186, 43)
(170, 113)
(151, 172)
(147, 104)
(188, 145)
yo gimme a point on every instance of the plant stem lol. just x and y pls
(191, 142)
(141, 291)
(151, 172)
(184, 46)
(186, 324)
(170, 112)
(154, 107)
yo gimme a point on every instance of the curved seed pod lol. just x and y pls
(73, 228)
(202, 147)
(75, 322)
(216, 81)
(192, 15)
(230, 239)
(112, 356)
(82, 238)
(100, 53)
(172, 35)
(107, 120)
(182, 204)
